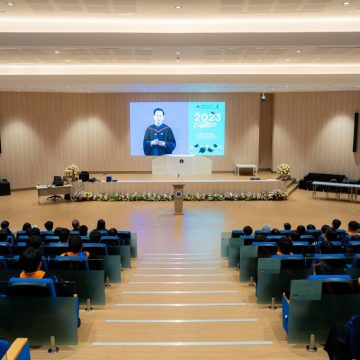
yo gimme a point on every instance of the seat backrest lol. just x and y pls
(71, 263)
(18, 287)
(237, 233)
(110, 240)
(95, 248)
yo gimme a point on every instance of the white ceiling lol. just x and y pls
(206, 45)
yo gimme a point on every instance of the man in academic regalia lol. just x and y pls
(159, 138)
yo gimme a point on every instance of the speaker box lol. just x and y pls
(84, 176)
(356, 127)
(5, 188)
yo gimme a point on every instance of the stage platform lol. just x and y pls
(214, 183)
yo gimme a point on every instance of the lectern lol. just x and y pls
(178, 198)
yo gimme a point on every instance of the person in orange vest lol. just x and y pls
(30, 261)
(75, 247)
(284, 246)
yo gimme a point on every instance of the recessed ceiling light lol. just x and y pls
(10, 3)
(298, 51)
(56, 52)
(178, 53)
(346, 3)
(67, 60)
(178, 7)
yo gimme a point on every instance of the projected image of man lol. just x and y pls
(159, 138)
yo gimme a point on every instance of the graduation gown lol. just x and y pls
(163, 133)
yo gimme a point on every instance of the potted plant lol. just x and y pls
(284, 171)
(72, 172)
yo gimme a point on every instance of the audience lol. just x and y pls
(5, 227)
(336, 224)
(75, 247)
(83, 230)
(30, 262)
(49, 225)
(247, 230)
(287, 226)
(284, 246)
(301, 230)
(75, 224)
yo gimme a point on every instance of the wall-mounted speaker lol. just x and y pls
(356, 127)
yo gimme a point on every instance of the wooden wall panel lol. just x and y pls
(43, 132)
(313, 132)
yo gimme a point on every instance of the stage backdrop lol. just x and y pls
(41, 133)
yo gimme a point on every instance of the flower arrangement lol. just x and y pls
(284, 171)
(116, 196)
(72, 172)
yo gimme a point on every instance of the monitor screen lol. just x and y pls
(160, 128)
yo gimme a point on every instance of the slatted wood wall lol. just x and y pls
(43, 132)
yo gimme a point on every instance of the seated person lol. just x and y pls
(336, 224)
(301, 230)
(353, 228)
(310, 227)
(328, 267)
(4, 236)
(49, 225)
(26, 227)
(294, 235)
(101, 225)
(94, 237)
(5, 227)
(30, 262)
(330, 235)
(83, 230)
(287, 226)
(62, 233)
(75, 247)
(75, 225)
(324, 228)
(34, 231)
(275, 232)
(112, 232)
(284, 246)
(247, 230)
(34, 242)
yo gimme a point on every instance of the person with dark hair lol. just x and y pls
(275, 231)
(287, 226)
(301, 230)
(83, 230)
(95, 237)
(49, 225)
(101, 225)
(34, 231)
(353, 227)
(259, 238)
(75, 224)
(75, 247)
(112, 232)
(5, 226)
(62, 233)
(159, 138)
(330, 235)
(284, 246)
(310, 227)
(4, 236)
(336, 224)
(247, 230)
(26, 227)
(34, 242)
(294, 235)
(30, 262)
